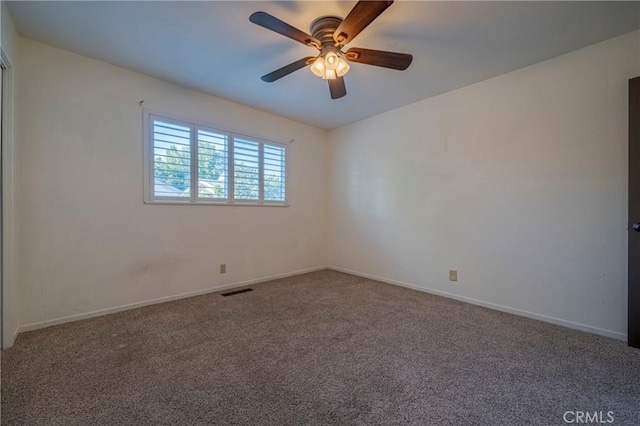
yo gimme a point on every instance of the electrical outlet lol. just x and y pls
(223, 268)
(453, 275)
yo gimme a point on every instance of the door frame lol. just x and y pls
(8, 289)
(633, 279)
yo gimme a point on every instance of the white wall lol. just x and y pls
(518, 182)
(88, 242)
(8, 42)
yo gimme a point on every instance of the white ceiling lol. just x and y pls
(212, 47)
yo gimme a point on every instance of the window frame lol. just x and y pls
(149, 116)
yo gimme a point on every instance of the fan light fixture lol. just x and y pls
(330, 64)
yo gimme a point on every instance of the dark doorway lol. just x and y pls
(634, 213)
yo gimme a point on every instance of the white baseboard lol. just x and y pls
(101, 312)
(552, 320)
(514, 311)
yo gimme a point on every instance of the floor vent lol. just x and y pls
(233, 293)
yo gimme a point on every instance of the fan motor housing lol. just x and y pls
(323, 28)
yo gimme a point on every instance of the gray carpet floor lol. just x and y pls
(319, 348)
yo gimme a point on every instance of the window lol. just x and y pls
(190, 163)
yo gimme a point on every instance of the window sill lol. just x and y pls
(204, 203)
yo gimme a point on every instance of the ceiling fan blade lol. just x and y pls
(274, 24)
(287, 69)
(379, 58)
(362, 14)
(337, 88)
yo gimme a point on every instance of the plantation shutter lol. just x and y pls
(191, 163)
(171, 149)
(274, 172)
(213, 161)
(246, 169)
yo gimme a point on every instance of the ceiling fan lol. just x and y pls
(329, 35)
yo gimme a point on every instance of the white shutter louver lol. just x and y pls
(274, 172)
(213, 161)
(171, 159)
(246, 169)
